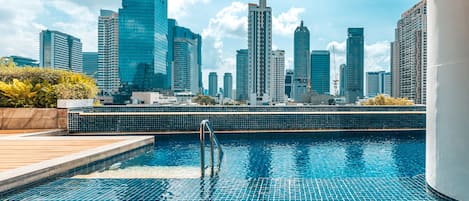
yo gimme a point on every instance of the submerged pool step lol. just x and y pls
(146, 172)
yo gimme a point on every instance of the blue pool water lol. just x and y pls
(328, 166)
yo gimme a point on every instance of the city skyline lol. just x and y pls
(327, 22)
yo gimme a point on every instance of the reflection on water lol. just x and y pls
(336, 155)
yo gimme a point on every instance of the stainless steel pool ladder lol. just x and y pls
(206, 126)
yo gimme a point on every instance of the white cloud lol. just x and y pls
(230, 22)
(286, 23)
(178, 8)
(19, 29)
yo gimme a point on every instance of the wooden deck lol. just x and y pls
(15, 153)
(15, 132)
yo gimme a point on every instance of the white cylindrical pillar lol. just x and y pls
(447, 162)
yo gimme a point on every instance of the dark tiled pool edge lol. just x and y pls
(76, 163)
(437, 194)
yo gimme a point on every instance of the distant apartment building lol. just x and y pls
(108, 53)
(378, 83)
(242, 63)
(410, 58)
(90, 64)
(354, 80)
(289, 76)
(321, 71)
(60, 51)
(213, 84)
(302, 64)
(186, 59)
(143, 45)
(342, 81)
(228, 85)
(259, 51)
(24, 61)
(278, 76)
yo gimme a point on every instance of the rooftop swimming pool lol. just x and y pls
(320, 166)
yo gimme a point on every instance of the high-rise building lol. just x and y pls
(172, 23)
(143, 45)
(302, 64)
(186, 51)
(277, 83)
(395, 70)
(354, 82)
(289, 76)
(228, 86)
(213, 84)
(259, 50)
(61, 51)
(378, 83)
(90, 64)
(321, 71)
(108, 53)
(342, 81)
(242, 75)
(410, 48)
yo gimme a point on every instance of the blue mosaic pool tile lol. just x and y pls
(408, 188)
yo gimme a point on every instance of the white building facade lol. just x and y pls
(259, 52)
(277, 82)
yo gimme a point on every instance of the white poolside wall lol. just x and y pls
(447, 165)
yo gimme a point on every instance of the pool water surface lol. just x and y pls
(325, 166)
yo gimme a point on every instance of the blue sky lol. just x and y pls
(222, 23)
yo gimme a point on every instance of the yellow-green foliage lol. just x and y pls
(383, 100)
(41, 87)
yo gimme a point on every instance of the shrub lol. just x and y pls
(383, 100)
(41, 87)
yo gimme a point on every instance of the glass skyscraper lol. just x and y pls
(378, 83)
(242, 75)
(321, 71)
(90, 63)
(343, 67)
(61, 51)
(354, 81)
(228, 85)
(289, 83)
(302, 64)
(213, 84)
(186, 51)
(143, 45)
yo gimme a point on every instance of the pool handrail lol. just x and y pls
(205, 125)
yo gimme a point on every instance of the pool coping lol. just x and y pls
(23, 176)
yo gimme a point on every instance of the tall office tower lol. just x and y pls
(342, 81)
(395, 70)
(302, 64)
(378, 83)
(186, 51)
(354, 82)
(259, 50)
(108, 53)
(90, 64)
(172, 23)
(143, 45)
(277, 82)
(61, 51)
(213, 84)
(411, 46)
(242, 74)
(228, 86)
(289, 83)
(321, 71)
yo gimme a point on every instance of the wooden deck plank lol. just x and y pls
(15, 153)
